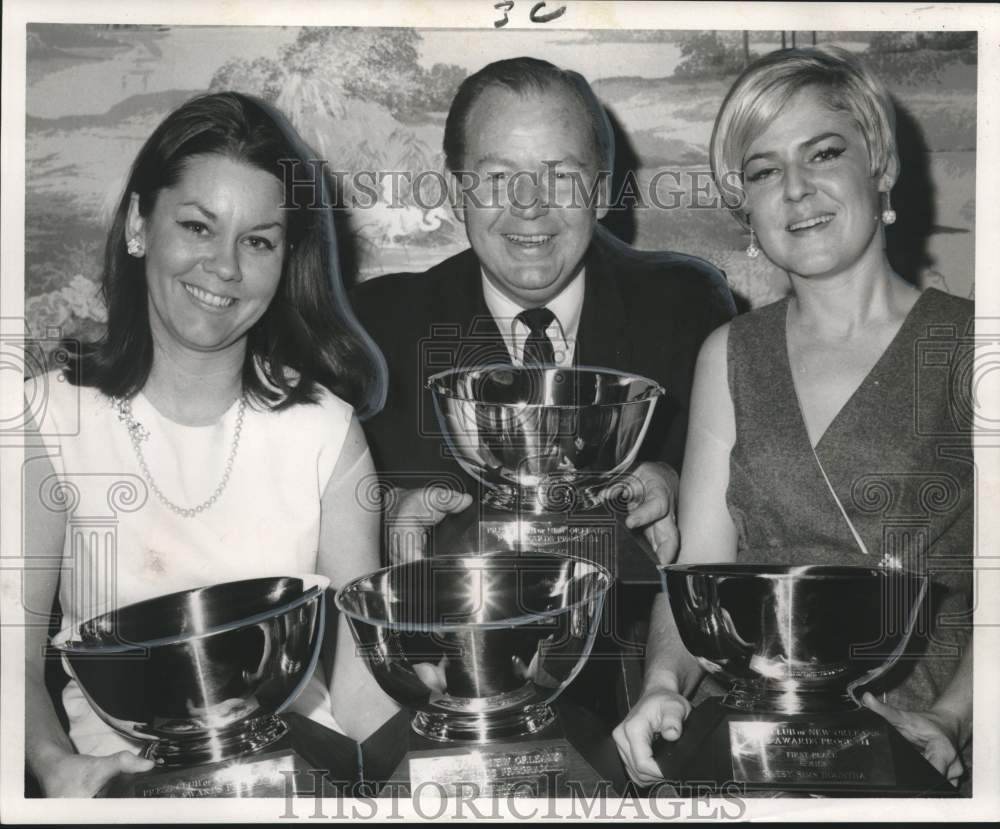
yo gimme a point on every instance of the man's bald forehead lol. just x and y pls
(525, 76)
(559, 100)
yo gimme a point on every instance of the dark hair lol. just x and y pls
(308, 335)
(522, 76)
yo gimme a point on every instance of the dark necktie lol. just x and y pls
(538, 347)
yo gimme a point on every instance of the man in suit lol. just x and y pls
(528, 146)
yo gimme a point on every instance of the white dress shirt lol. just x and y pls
(567, 307)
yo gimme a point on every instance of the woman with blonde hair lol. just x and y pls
(817, 432)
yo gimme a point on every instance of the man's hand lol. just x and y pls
(658, 712)
(929, 731)
(411, 513)
(650, 492)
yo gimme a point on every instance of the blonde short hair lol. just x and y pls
(763, 89)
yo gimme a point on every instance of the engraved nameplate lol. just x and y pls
(597, 538)
(510, 770)
(259, 778)
(792, 752)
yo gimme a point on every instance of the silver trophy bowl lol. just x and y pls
(201, 674)
(793, 639)
(477, 646)
(546, 439)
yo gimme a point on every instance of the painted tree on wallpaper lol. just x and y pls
(354, 94)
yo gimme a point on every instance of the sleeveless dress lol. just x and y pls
(123, 545)
(899, 457)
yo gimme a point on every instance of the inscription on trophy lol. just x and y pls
(801, 752)
(558, 536)
(261, 778)
(500, 770)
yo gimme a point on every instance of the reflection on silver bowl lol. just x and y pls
(201, 673)
(551, 438)
(793, 639)
(477, 645)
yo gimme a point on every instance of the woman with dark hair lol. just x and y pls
(817, 436)
(224, 396)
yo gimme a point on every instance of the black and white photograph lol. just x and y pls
(499, 409)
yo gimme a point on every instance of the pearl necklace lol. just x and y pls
(138, 433)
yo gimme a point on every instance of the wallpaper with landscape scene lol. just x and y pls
(375, 100)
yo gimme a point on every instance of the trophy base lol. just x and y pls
(307, 760)
(242, 738)
(573, 755)
(597, 534)
(479, 728)
(552, 497)
(843, 754)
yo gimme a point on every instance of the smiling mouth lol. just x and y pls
(533, 241)
(207, 297)
(815, 221)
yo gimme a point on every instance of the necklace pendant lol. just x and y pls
(138, 433)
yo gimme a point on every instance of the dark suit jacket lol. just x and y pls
(645, 313)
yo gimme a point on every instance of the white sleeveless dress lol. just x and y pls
(123, 545)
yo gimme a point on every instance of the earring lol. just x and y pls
(135, 247)
(888, 214)
(752, 250)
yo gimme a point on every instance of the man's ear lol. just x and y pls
(135, 224)
(456, 195)
(604, 197)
